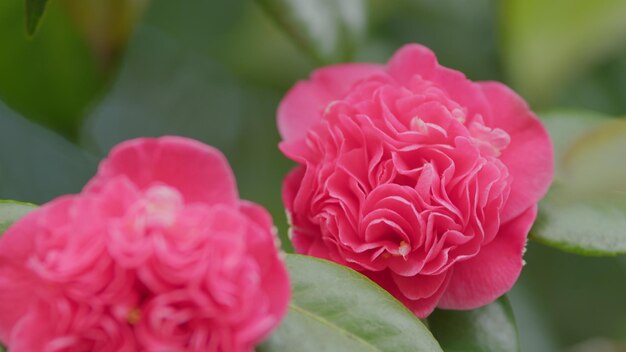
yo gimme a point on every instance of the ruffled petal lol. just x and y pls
(199, 172)
(16, 289)
(422, 307)
(18, 241)
(529, 155)
(303, 105)
(274, 276)
(493, 271)
(415, 59)
(419, 286)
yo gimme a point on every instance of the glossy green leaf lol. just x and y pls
(50, 78)
(555, 281)
(535, 332)
(11, 211)
(34, 11)
(106, 25)
(164, 89)
(547, 43)
(585, 210)
(567, 126)
(334, 308)
(37, 165)
(167, 84)
(328, 30)
(490, 328)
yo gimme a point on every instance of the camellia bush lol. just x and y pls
(323, 175)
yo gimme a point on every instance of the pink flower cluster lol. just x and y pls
(412, 174)
(158, 253)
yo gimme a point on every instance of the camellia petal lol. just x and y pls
(413, 174)
(485, 277)
(303, 104)
(528, 156)
(199, 172)
(415, 59)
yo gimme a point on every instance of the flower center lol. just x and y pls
(160, 206)
(133, 316)
(404, 249)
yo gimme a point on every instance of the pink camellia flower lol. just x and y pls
(424, 181)
(158, 253)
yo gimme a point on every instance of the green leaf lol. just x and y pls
(34, 11)
(585, 210)
(566, 126)
(535, 331)
(162, 88)
(334, 308)
(328, 30)
(50, 78)
(556, 281)
(547, 43)
(491, 328)
(106, 25)
(11, 211)
(37, 165)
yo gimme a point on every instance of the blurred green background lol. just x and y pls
(101, 71)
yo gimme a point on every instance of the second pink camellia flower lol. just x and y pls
(158, 253)
(415, 176)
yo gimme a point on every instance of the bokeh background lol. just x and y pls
(98, 72)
